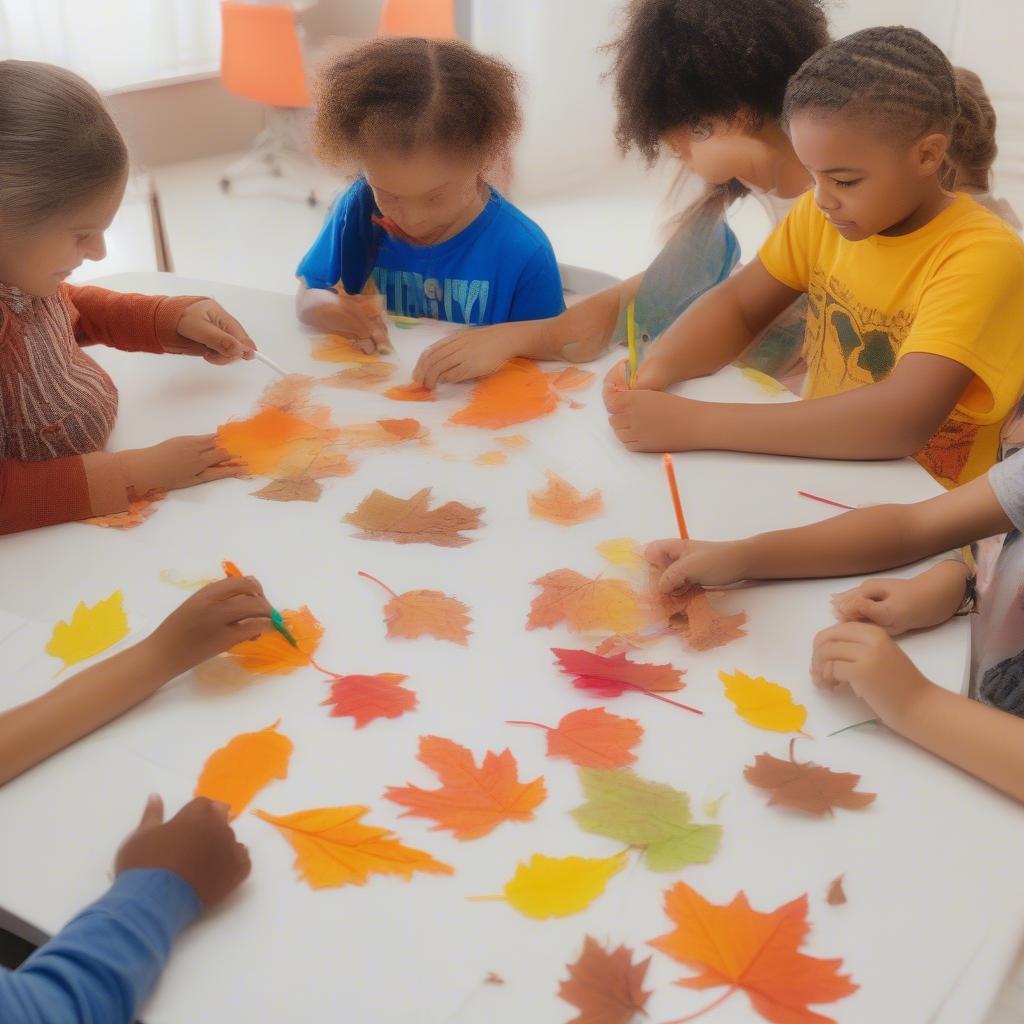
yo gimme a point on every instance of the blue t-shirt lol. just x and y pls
(499, 268)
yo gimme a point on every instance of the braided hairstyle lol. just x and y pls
(898, 78)
(684, 63)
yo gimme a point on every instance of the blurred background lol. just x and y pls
(206, 137)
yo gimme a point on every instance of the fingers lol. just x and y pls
(443, 367)
(879, 612)
(244, 606)
(239, 333)
(675, 577)
(153, 812)
(220, 472)
(425, 365)
(661, 553)
(219, 341)
(233, 586)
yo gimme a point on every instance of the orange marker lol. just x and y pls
(670, 472)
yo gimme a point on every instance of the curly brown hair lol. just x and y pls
(402, 94)
(683, 63)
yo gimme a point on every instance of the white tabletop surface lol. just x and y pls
(931, 867)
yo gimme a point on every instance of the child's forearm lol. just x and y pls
(316, 307)
(36, 730)
(981, 740)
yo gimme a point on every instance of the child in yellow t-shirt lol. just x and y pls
(912, 290)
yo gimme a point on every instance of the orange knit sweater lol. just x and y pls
(56, 403)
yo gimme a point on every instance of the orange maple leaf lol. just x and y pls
(382, 516)
(289, 394)
(691, 614)
(367, 698)
(424, 613)
(364, 377)
(492, 458)
(585, 605)
(272, 655)
(135, 515)
(562, 504)
(410, 393)
(471, 801)
(757, 952)
(518, 392)
(334, 848)
(273, 441)
(571, 379)
(381, 434)
(333, 348)
(592, 738)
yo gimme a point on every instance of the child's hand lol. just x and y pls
(467, 355)
(685, 562)
(899, 606)
(359, 317)
(197, 844)
(177, 463)
(207, 329)
(869, 661)
(651, 421)
(212, 620)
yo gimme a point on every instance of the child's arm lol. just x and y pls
(102, 965)
(360, 317)
(981, 740)
(212, 620)
(864, 540)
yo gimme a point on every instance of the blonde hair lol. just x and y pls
(58, 143)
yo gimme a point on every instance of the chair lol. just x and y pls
(432, 19)
(261, 60)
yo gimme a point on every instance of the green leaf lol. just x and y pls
(649, 815)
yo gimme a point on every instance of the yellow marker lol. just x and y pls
(631, 341)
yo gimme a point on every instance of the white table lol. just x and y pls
(931, 868)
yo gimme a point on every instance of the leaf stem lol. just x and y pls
(658, 696)
(539, 725)
(700, 1013)
(856, 725)
(367, 576)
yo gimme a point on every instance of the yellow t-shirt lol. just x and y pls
(953, 288)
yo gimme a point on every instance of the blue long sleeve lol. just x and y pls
(101, 966)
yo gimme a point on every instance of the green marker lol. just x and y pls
(276, 620)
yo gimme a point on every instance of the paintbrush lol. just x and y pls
(276, 618)
(634, 355)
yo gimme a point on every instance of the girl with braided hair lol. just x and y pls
(914, 339)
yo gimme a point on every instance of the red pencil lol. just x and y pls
(670, 472)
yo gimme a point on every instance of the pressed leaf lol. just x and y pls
(410, 393)
(562, 504)
(290, 488)
(381, 433)
(805, 785)
(651, 816)
(332, 348)
(382, 516)
(491, 459)
(606, 987)
(91, 630)
(572, 379)
(472, 800)
(271, 654)
(585, 605)
(330, 462)
(518, 392)
(622, 551)
(764, 704)
(610, 676)
(275, 442)
(290, 394)
(560, 886)
(367, 698)
(593, 738)
(691, 614)
(137, 513)
(236, 772)
(513, 441)
(185, 582)
(334, 848)
(425, 613)
(836, 895)
(364, 377)
(755, 952)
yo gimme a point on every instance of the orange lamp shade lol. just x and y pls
(260, 58)
(432, 19)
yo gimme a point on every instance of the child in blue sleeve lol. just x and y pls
(421, 233)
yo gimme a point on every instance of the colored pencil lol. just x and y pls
(277, 620)
(670, 472)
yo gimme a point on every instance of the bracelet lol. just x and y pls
(969, 604)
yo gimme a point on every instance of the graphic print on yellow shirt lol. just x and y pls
(954, 288)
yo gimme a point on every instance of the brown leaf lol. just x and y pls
(382, 516)
(382, 433)
(562, 504)
(806, 786)
(362, 378)
(606, 988)
(692, 615)
(331, 462)
(836, 895)
(289, 394)
(290, 488)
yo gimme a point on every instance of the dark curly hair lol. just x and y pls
(405, 93)
(682, 63)
(898, 79)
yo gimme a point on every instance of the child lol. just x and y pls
(977, 735)
(63, 168)
(914, 292)
(680, 89)
(104, 963)
(423, 120)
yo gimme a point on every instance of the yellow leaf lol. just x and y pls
(560, 886)
(764, 704)
(621, 551)
(183, 581)
(769, 385)
(236, 772)
(90, 631)
(712, 807)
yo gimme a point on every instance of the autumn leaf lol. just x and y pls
(290, 488)
(381, 433)
(330, 462)
(607, 988)
(560, 503)
(364, 377)
(836, 895)
(334, 848)
(424, 613)
(290, 394)
(647, 815)
(763, 704)
(691, 614)
(332, 348)
(176, 578)
(273, 441)
(805, 785)
(622, 643)
(270, 654)
(622, 551)
(560, 886)
(592, 738)
(91, 630)
(585, 605)
(135, 515)
(410, 393)
(471, 801)
(609, 677)
(236, 772)
(367, 698)
(518, 392)
(494, 458)
(757, 952)
(572, 379)
(382, 516)
(513, 442)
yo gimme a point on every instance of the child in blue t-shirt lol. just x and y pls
(421, 233)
